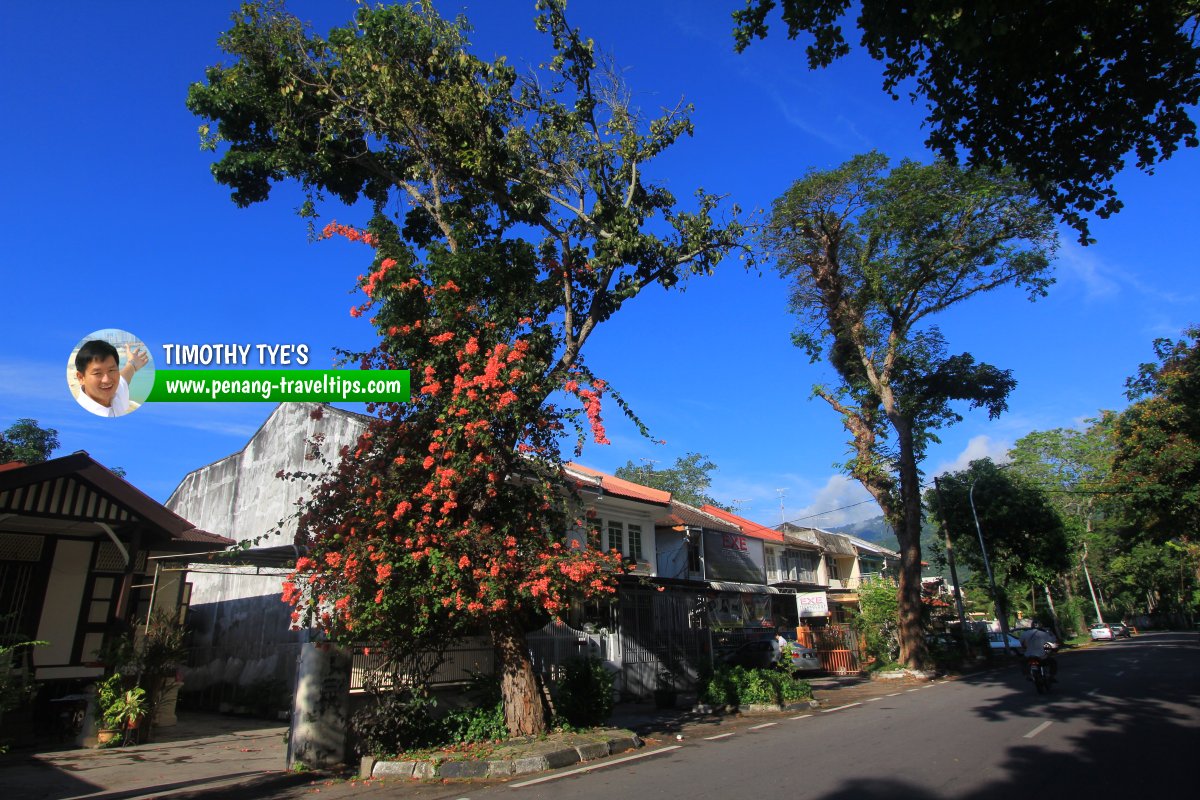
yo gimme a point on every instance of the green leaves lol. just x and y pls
(1061, 93)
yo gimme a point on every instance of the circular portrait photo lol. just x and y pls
(110, 372)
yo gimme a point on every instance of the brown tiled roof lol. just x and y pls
(79, 488)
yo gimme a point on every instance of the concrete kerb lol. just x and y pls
(555, 756)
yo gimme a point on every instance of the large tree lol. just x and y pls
(1156, 467)
(511, 217)
(1061, 91)
(1026, 540)
(1072, 467)
(688, 480)
(872, 256)
(27, 442)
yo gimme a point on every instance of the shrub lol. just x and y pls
(585, 693)
(484, 720)
(478, 724)
(397, 722)
(737, 686)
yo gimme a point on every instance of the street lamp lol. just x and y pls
(988, 567)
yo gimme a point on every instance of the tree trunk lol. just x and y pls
(525, 709)
(913, 652)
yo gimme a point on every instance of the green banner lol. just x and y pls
(280, 386)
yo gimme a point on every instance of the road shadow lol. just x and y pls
(1142, 734)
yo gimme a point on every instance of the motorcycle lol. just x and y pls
(1039, 669)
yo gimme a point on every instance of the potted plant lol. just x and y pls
(665, 692)
(160, 652)
(120, 709)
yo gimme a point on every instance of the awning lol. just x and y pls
(743, 588)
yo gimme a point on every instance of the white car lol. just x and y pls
(1101, 631)
(996, 642)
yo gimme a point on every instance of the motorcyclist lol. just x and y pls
(1038, 642)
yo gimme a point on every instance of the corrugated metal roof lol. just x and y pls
(744, 588)
(836, 543)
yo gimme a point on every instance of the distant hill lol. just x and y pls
(874, 530)
(877, 531)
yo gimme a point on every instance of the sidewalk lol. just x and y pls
(206, 751)
(207, 755)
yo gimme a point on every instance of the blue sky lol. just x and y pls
(113, 220)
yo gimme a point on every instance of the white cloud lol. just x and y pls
(839, 132)
(1082, 265)
(982, 446)
(1102, 280)
(32, 380)
(840, 501)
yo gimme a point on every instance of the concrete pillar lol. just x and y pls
(320, 708)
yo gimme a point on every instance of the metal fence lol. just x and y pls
(473, 656)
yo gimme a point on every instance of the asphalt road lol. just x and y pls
(1123, 722)
(1124, 718)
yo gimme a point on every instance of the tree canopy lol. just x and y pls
(1024, 534)
(873, 254)
(1156, 467)
(1062, 92)
(510, 218)
(27, 442)
(687, 481)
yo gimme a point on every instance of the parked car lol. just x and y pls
(1102, 630)
(942, 641)
(1120, 630)
(804, 659)
(996, 642)
(764, 653)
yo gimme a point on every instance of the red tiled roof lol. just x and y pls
(11, 465)
(748, 528)
(621, 487)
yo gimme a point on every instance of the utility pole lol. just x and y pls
(782, 518)
(1001, 611)
(1091, 588)
(958, 601)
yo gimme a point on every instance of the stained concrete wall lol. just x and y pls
(242, 639)
(240, 495)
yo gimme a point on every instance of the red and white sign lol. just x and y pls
(812, 604)
(733, 541)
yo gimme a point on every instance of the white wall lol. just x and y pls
(240, 495)
(64, 597)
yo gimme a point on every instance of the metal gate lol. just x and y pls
(837, 647)
(661, 634)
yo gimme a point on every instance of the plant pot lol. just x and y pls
(106, 736)
(664, 698)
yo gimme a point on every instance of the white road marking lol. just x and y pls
(839, 708)
(1037, 730)
(609, 763)
(1119, 674)
(803, 716)
(718, 736)
(764, 725)
(913, 690)
(873, 699)
(893, 694)
(1093, 691)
